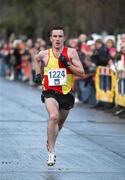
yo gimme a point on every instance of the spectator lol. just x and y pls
(122, 39)
(82, 38)
(88, 95)
(113, 58)
(110, 43)
(73, 43)
(18, 50)
(100, 56)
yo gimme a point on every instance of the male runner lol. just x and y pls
(59, 65)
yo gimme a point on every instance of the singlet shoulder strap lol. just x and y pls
(65, 52)
(49, 52)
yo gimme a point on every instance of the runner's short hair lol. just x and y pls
(56, 28)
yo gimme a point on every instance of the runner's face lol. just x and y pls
(57, 38)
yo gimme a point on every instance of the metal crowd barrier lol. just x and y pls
(105, 81)
(120, 89)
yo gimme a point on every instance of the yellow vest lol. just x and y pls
(55, 70)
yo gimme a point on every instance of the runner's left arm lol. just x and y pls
(76, 66)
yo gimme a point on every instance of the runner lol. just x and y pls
(59, 65)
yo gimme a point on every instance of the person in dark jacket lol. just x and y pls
(100, 56)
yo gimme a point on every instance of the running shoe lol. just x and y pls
(51, 159)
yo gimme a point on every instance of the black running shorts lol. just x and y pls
(65, 101)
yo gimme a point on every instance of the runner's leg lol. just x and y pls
(62, 117)
(52, 129)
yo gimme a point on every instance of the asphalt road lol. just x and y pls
(91, 146)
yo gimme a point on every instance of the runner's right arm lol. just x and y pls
(38, 65)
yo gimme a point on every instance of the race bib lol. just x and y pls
(57, 77)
